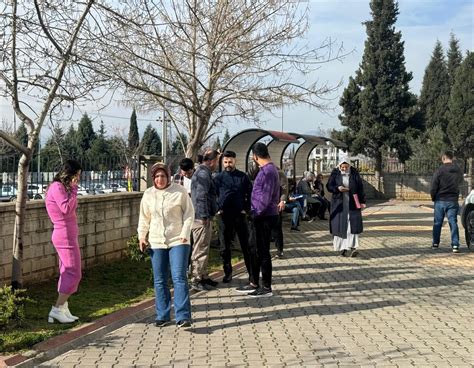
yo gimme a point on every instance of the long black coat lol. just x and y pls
(337, 217)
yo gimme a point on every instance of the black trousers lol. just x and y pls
(260, 249)
(229, 225)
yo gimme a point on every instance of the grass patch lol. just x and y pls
(104, 289)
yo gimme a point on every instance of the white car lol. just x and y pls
(7, 193)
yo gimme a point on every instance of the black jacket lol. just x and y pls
(203, 193)
(233, 191)
(445, 183)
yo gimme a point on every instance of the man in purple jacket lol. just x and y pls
(264, 211)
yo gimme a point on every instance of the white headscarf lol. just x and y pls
(343, 159)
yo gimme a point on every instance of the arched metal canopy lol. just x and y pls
(242, 143)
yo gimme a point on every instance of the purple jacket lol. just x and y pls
(266, 191)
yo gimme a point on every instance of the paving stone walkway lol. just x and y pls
(399, 304)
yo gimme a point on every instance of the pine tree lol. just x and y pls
(435, 91)
(133, 136)
(217, 144)
(151, 142)
(71, 148)
(99, 153)
(378, 108)
(461, 109)
(85, 136)
(454, 58)
(21, 135)
(226, 138)
(177, 147)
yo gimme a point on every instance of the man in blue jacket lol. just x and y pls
(203, 196)
(233, 202)
(264, 211)
(445, 195)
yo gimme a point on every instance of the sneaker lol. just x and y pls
(209, 282)
(161, 323)
(246, 289)
(183, 323)
(279, 254)
(311, 220)
(227, 278)
(434, 246)
(199, 286)
(455, 249)
(261, 293)
(354, 252)
(295, 228)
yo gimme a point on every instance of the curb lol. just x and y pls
(60, 344)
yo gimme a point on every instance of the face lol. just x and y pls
(319, 178)
(188, 173)
(228, 163)
(160, 179)
(344, 167)
(75, 179)
(213, 164)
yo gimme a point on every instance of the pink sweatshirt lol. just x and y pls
(61, 207)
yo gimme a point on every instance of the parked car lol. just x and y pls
(467, 218)
(7, 193)
(36, 191)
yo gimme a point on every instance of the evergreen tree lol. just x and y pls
(99, 153)
(217, 144)
(177, 147)
(378, 108)
(461, 109)
(454, 58)
(21, 134)
(435, 91)
(71, 148)
(133, 136)
(226, 138)
(151, 142)
(85, 136)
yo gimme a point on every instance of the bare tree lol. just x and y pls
(42, 59)
(206, 61)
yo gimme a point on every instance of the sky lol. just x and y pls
(421, 22)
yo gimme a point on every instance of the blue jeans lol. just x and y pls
(162, 260)
(450, 210)
(296, 211)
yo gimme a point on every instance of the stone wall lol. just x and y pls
(403, 186)
(106, 222)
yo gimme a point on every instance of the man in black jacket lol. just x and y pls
(445, 194)
(233, 189)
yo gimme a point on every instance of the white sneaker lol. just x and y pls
(59, 314)
(68, 313)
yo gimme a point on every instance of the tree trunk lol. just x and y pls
(379, 175)
(20, 211)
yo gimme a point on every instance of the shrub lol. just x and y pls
(133, 250)
(12, 303)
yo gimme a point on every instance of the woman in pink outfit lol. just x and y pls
(61, 204)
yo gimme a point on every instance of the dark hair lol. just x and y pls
(200, 158)
(210, 155)
(186, 164)
(448, 154)
(229, 154)
(260, 150)
(67, 172)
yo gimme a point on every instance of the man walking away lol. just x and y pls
(445, 194)
(264, 211)
(233, 189)
(203, 196)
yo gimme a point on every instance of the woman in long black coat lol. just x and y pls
(345, 224)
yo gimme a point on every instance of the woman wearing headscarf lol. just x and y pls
(348, 200)
(61, 204)
(164, 230)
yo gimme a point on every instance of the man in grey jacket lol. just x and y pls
(203, 196)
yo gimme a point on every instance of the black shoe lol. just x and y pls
(295, 228)
(227, 278)
(183, 323)
(161, 323)
(280, 254)
(199, 286)
(246, 288)
(354, 252)
(434, 246)
(209, 282)
(261, 293)
(343, 252)
(455, 249)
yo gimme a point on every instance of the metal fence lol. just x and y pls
(418, 167)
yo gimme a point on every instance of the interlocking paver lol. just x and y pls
(399, 304)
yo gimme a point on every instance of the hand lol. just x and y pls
(183, 240)
(281, 206)
(363, 205)
(342, 188)
(143, 244)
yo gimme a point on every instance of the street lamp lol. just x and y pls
(164, 135)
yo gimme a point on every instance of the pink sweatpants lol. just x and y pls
(69, 267)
